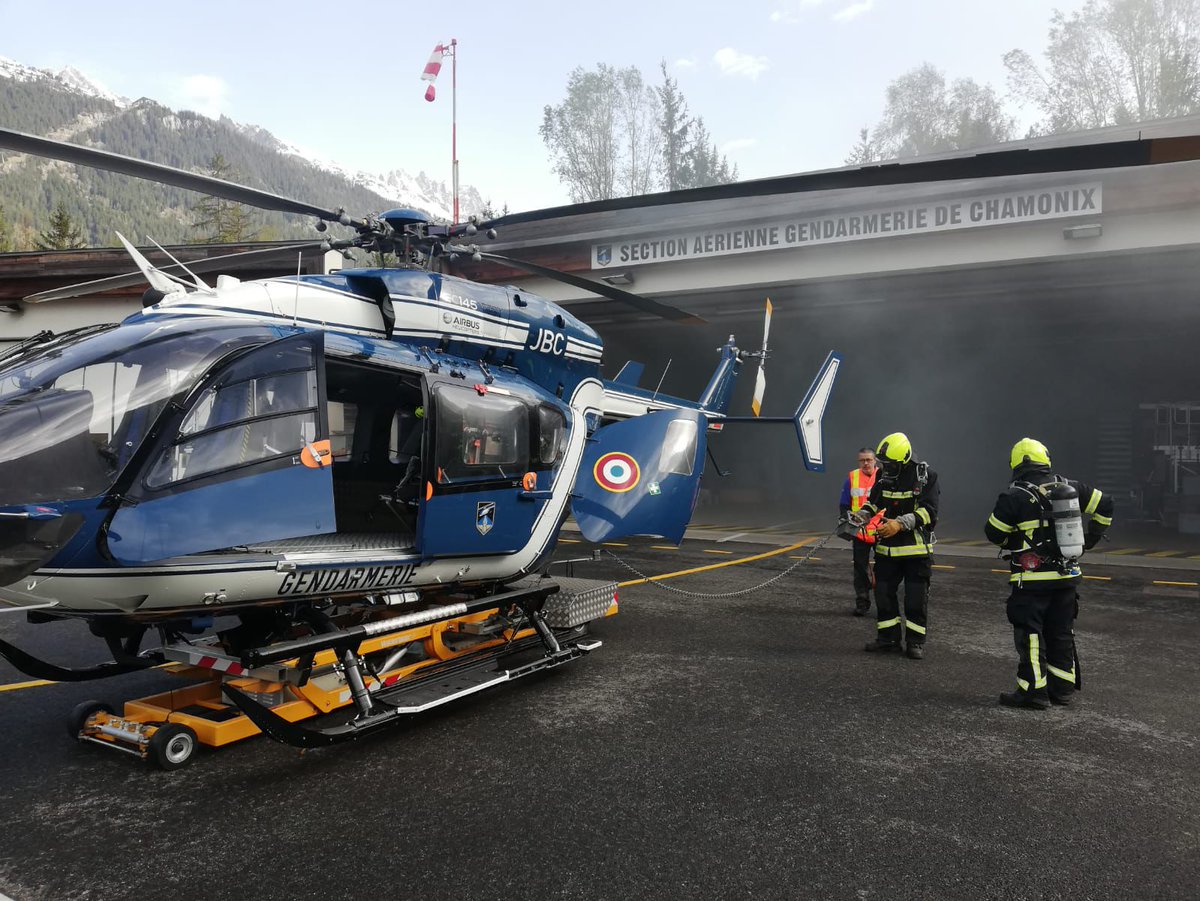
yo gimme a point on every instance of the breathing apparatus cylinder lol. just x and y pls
(1068, 523)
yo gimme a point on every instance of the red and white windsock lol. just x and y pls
(432, 68)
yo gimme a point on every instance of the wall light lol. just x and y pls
(618, 278)
(1074, 232)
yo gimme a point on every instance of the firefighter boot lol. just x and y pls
(1024, 700)
(915, 651)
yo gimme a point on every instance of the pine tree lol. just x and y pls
(6, 243)
(222, 221)
(675, 125)
(63, 234)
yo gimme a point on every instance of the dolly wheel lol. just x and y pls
(172, 746)
(82, 713)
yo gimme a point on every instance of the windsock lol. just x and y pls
(432, 68)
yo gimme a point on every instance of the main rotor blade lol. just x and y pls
(136, 278)
(167, 175)
(666, 311)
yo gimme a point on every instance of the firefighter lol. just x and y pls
(855, 490)
(1038, 521)
(906, 494)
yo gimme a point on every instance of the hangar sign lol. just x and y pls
(859, 225)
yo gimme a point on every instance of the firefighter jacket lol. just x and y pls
(1020, 524)
(913, 500)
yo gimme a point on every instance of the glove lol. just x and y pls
(858, 519)
(1091, 540)
(887, 528)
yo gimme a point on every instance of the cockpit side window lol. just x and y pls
(480, 436)
(253, 412)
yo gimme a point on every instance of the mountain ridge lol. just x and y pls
(69, 105)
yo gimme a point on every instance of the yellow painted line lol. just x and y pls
(1177, 584)
(614, 544)
(1099, 578)
(1127, 550)
(1005, 571)
(941, 566)
(721, 565)
(569, 541)
(714, 551)
(1165, 554)
(663, 547)
(802, 557)
(17, 686)
(974, 543)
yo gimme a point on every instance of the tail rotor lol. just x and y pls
(760, 378)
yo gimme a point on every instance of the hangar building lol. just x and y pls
(1060, 303)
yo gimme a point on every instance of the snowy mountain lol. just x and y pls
(69, 105)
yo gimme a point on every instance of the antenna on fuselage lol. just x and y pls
(663, 376)
(195, 278)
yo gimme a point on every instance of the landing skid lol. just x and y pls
(41, 669)
(352, 675)
(435, 687)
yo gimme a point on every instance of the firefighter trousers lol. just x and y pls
(1043, 622)
(862, 575)
(890, 573)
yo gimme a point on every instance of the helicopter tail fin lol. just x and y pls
(719, 390)
(809, 414)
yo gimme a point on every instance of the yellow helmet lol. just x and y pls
(1028, 450)
(895, 447)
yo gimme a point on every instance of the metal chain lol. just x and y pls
(724, 594)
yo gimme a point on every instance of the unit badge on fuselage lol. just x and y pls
(485, 516)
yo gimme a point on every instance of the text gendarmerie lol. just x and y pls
(359, 578)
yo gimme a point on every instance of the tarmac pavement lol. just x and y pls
(713, 748)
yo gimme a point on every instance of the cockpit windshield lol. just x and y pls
(72, 413)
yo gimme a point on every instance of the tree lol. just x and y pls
(582, 136)
(6, 243)
(1113, 62)
(222, 221)
(675, 125)
(63, 233)
(925, 115)
(704, 164)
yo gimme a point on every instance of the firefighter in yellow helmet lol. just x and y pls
(906, 493)
(1038, 522)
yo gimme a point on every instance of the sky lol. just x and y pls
(783, 85)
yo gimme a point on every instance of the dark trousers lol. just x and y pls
(862, 575)
(914, 573)
(1043, 621)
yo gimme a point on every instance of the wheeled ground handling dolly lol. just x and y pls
(362, 667)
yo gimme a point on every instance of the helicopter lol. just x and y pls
(287, 453)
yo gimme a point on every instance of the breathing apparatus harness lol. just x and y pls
(1058, 503)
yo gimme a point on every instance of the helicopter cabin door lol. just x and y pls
(489, 444)
(247, 459)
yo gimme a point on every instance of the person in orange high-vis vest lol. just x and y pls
(855, 491)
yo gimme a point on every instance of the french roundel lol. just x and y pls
(616, 472)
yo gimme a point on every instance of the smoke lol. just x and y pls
(964, 362)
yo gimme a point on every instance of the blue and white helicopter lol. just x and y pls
(262, 452)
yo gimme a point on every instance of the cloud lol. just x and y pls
(734, 62)
(206, 94)
(685, 63)
(853, 11)
(738, 144)
(790, 13)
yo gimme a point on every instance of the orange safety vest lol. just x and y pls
(860, 490)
